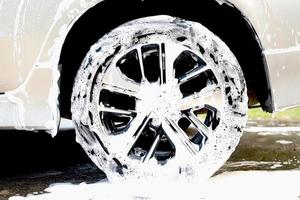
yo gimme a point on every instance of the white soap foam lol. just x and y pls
(284, 142)
(260, 185)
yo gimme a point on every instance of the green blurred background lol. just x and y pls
(292, 114)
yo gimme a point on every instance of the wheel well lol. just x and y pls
(228, 24)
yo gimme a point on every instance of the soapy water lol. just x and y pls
(98, 69)
(275, 185)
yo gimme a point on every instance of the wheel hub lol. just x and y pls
(161, 100)
(151, 96)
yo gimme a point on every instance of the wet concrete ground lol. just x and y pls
(267, 150)
(34, 161)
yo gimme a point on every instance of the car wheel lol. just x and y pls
(159, 96)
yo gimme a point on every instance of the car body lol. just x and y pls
(33, 35)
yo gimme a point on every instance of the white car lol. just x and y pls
(153, 87)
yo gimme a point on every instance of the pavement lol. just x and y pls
(265, 165)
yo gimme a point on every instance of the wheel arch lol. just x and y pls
(242, 41)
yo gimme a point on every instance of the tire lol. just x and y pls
(159, 96)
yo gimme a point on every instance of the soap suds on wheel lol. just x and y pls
(159, 97)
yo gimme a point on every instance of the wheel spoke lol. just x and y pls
(125, 142)
(192, 74)
(120, 90)
(153, 147)
(162, 64)
(183, 145)
(170, 55)
(115, 110)
(211, 95)
(115, 82)
(203, 130)
(140, 56)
